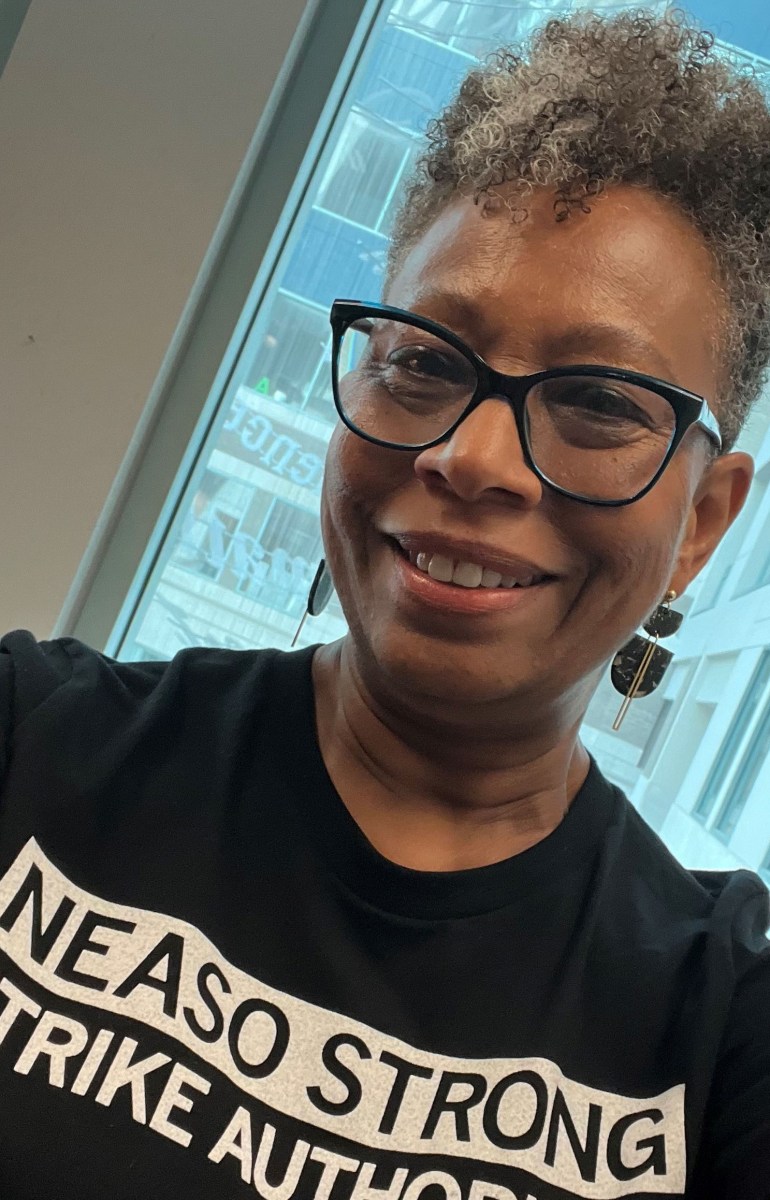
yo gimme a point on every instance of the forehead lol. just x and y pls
(631, 283)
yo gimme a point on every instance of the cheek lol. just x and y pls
(343, 478)
(634, 550)
(353, 487)
(360, 479)
(333, 503)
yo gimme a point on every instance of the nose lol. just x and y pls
(483, 459)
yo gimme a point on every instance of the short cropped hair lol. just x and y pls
(634, 98)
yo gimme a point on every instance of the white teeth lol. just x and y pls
(467, 574)
(441, 568)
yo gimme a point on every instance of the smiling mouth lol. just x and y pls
(464, 574)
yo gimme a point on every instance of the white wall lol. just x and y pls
(122, 128)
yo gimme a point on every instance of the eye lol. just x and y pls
(428, 362)
(600, 402)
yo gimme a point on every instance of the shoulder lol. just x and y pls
(736, 1142)
(64, 684)
(713, 926)
(722, 916)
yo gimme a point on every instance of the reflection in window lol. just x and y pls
(389, 212)
(474, 27)
(714, 584)
(656, 734)
(484, 26)
(757, 571)
(763, 578)
(730, 747)
(292, 531)
(436, 19)
(364, 172)
(754, 757)
(293, 345)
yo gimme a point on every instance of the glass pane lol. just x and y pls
(754, 756)
(237, 559)
(436, 19)
(483, 26)
(364, 172)
(728, 752)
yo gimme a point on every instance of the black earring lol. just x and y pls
(320, 594)
(639, 666)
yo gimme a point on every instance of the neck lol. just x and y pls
(441, 791)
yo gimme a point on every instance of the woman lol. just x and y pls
(365, 920)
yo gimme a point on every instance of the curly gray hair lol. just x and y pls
(632, 98)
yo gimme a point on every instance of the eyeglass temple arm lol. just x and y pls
(708, 421)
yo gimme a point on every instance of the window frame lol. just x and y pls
(715, 794)
(12, 14)
(744, 777)
(379, 129)
(234, 277)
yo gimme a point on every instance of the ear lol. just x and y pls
(719, 497)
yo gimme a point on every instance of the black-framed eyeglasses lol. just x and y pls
(601, 435)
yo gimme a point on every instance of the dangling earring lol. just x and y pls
(639, 666)
(319, 596)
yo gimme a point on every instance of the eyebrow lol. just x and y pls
(618, 345)
(612, 341)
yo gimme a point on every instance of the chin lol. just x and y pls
(433, 668)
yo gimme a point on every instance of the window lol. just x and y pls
(211, 523)
(288, 356)
(435, 19)
(482, 25)
(763, 578)
(364, 172)
(656, 735)
(754, 756)
(477, 26)
(730, 747)
(714, 583)
(389, 212)
(292, 530)
(757, 571)
(288, 542)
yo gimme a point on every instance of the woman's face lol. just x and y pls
(627, 285)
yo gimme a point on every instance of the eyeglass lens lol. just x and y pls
(603, 439)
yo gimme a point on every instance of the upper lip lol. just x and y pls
(473, 551)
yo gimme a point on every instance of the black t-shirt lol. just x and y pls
(213, 986)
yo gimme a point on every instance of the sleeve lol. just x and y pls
(30, 671)
(63, 697)
(734, 1163)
